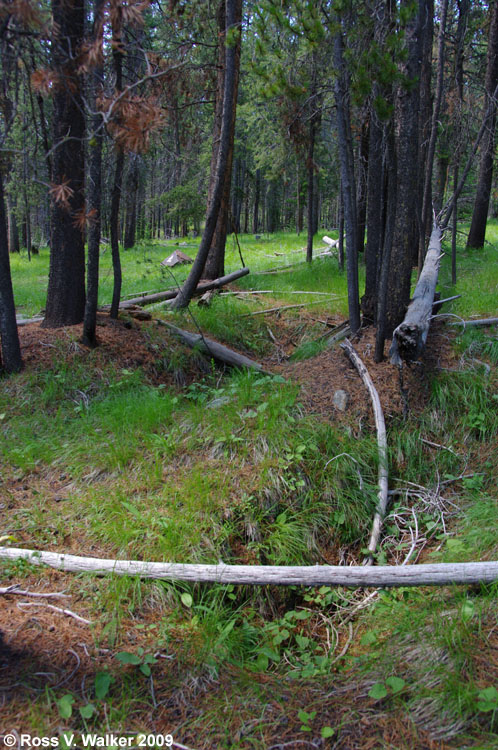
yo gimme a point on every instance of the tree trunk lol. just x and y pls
(347, 181)
(118, 176)
(131, 195)
(481, 205)
(13, 232)
(407, 199)
(215, 262)
(425, 121)
(429, 162)
(257, 191)
(374, 219)
(232, 61)
(66, 283)
(11, 351)
(94, 189)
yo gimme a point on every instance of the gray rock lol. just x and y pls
(341, 400)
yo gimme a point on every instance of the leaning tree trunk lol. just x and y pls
(481, 206)
(11, 350)
(215, 262)
(232, 60)
(66, 282)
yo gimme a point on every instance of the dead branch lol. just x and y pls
(5, 590)
(67, 612)
(382, 448)
(482, 322)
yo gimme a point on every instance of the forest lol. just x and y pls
(248, 349)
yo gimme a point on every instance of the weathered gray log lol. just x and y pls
(410, 336)
(482, 322)
(355, 576)
(213, 348)
(382, 495)
(149, 299)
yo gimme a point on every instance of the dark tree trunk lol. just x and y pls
(94, 190)
(66, 283)
(374, 219)
(389, 215)
(481, 205)
(340, 247)
(232, 60)
(429, 161)
(118, 178)
(11, 351)
(309, 197)
(425, 120)
(362, 182)
(347, 181)
(215, 262)
(405, 232)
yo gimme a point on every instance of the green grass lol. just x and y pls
(231, 468)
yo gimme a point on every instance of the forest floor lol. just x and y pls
(143, 449)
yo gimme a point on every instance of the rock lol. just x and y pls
(341, 400)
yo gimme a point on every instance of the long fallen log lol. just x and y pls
(149, 299)
(382, 495)
(410, 336)
(354, 576)
(213, 348)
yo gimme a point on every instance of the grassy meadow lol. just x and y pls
(100, 461)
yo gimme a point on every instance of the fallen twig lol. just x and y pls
(67, 612)
(34, 594)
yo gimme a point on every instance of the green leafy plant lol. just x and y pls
(392, 686)
(142, 660)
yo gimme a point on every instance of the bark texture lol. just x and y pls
(481, 205)
(66, 284)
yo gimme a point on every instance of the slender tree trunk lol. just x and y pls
(425, 121)
(131, 193)
(347, 181)
(426, 199)
(340, 247)
(11, 351)
(66, 283)
(94, 191)
(390, 221)
(257, 192)
(118, 175)
(232, 61)
(481, 205)
(374, 218)
(14, 246)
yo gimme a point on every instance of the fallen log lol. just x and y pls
(410, 336)
(213, 348)
(354, 576)
(382, 495)
(170, 294)
(284, 307)
(482, 322)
